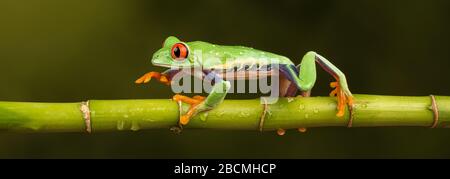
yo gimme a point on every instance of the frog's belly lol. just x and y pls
(246, 75)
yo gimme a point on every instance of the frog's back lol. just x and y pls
(223, 56)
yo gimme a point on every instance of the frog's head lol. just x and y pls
(174, 54)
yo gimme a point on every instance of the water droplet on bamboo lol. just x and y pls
(204, 116)
(301, 107)
(120, 125)
(135, 126)
(244, 114)
(290, 100)
(316, 110)
(220, 114)
(302, 129)
(281, 132)
(306, 116)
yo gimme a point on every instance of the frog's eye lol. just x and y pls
(180, 51)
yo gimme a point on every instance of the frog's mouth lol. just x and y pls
(172, 66)
(163, 65)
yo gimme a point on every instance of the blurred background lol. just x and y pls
(66, 51)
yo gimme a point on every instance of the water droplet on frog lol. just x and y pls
(120, 125)
(217, 54)
(306, 116)
(316, 111)
(364, 105)
(125, 116)
(135, 126)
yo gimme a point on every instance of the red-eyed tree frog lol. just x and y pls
(219, 59)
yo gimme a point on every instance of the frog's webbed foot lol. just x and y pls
(194, 103)
(148, 76)
(343, 98)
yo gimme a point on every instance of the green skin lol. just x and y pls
(228, 57)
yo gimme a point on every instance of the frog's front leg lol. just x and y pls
(161, 77)
(202, 104)
(305, 81)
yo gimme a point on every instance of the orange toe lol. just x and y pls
(139, 81)
(340, 113)
(302, 129)
(148, 76)
(184, 120)
(342, 98)
(281, 132)
(194, 102)
(333, 93)
(334, 84)
(350, 101)
(164, 80)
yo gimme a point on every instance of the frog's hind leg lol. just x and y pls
(305, 81)
(287, 86)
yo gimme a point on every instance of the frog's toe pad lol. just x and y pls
(184, 119)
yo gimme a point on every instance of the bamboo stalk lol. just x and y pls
(287, 113)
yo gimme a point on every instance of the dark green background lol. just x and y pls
(63, 51)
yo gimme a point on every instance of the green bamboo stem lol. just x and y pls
(113, 115)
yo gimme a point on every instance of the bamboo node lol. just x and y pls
(263, 115)
(86, 115)
(435, 109)
(352, 115)
(179, 128)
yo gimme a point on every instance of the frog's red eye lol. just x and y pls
(180, 51)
